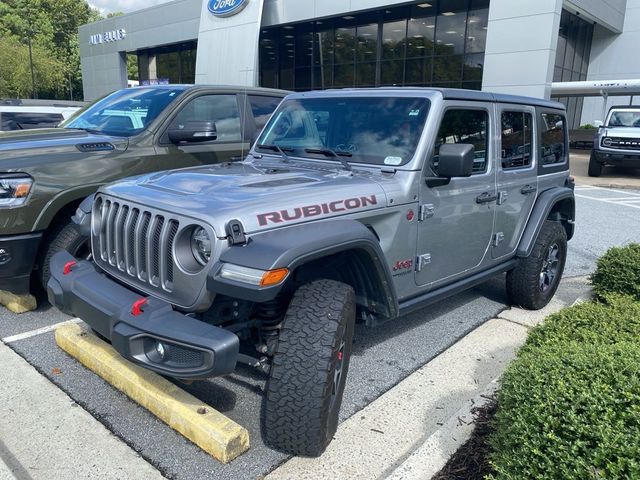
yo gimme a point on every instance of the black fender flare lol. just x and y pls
(82, 218)
(295, 246)
(543, 207)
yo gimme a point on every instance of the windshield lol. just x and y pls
(625, 118)
(125, 112)
(375, 130)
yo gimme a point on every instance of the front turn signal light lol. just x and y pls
(274, 277)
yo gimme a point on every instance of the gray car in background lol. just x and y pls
(353, 205)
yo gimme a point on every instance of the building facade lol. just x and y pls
(496, 45)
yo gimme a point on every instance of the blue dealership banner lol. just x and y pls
(226, 8)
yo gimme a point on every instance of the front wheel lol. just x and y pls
(309, 369)
(535, 280)
(62, 236)
(595, 167)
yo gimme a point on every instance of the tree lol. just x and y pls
(51, 27)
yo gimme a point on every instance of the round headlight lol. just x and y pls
(201, 245)
(607, 142)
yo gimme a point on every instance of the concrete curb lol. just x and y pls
(435, 452)
(216, 434)
(45, 435)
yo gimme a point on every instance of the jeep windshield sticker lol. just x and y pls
(414, 113)
(393, 161)
(316, 210)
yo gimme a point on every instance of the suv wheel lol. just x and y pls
(63, 236)
(595, 167)
(535, 280)
(309, 369)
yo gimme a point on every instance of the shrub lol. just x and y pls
(618, 271)
(569, 406)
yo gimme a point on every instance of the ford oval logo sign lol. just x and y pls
(226, 8)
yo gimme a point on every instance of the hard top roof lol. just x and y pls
(447, 94)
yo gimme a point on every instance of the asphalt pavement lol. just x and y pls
(381, 358)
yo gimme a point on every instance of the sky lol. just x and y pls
(108, 6)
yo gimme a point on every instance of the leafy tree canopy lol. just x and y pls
(51, 27)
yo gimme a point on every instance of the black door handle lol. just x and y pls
(527, 189)
(486, 197)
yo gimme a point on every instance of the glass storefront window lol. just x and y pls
(174, 63)
(425, 43)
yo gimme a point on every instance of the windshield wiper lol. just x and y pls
(279, 149)
(333, 153)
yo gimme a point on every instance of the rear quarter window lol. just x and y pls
(553, 142)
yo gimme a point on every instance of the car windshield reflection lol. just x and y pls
(374, 130)
(124, 113)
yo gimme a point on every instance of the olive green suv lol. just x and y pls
(45, 174)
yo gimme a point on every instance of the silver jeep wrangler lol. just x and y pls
(353, 205)
(617, 142)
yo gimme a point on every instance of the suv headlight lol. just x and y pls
(14, 189)
(607, 141)
(201, 245)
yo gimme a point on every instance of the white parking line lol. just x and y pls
(39, 331)
(624, 204)
(626, 199)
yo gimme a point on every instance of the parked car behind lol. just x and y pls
(617, 142)
(21, 117)
(45, 174)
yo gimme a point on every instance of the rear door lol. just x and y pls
(258, 112)
(517, 177)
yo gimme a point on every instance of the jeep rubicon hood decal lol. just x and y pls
(262, 197)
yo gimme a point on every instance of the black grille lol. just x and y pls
(621, 143)
(136, 242)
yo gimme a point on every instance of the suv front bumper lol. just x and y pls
(619, 158)
(157, 337)
(17, 257)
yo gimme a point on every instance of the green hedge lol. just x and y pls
(569, 406)
(618, 271)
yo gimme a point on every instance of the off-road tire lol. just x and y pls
(301, 406)
(62, 236)
(595, 167)
(523, 282)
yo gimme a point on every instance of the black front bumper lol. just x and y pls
(17, 258)
(621, 159)
(157, 338)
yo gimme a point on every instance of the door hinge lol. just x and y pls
(426, 211)
(502, 197)
(498, 238)
(423, 260)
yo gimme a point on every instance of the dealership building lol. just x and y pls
(510, 46)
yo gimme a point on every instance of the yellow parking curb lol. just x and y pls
(18, 303)
(216, 434)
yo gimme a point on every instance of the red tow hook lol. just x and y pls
(136, 308)
(67, 267)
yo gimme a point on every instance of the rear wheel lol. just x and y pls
(63, 236)
(595, 167)
(535, 280)
(309, 369)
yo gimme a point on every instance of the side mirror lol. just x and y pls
(194, 132)
(456, 160)
(597, 123)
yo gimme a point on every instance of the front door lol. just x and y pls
(230, 143)
(517, 176)
(457, 219)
